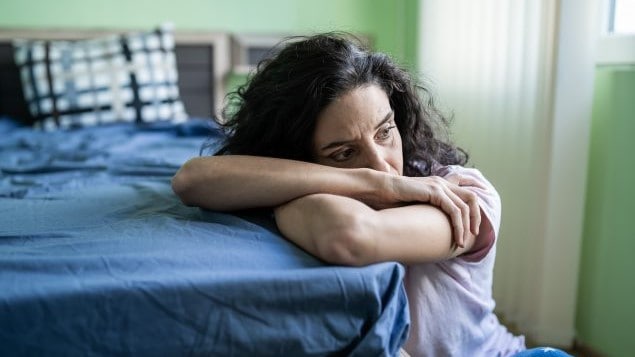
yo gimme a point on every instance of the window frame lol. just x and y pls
(614, 48)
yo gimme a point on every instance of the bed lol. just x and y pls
(99, 257)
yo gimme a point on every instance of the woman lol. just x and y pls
(359, 170)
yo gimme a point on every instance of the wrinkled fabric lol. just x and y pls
(99, 257)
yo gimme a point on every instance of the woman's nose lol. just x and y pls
(376, 160)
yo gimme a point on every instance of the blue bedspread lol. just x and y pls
(99, 257)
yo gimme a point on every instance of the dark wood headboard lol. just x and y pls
(203, 64)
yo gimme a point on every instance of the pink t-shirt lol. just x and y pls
(451, 304)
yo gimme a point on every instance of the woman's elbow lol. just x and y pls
(182, 183)
(348, 245)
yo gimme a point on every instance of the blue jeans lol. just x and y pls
(542, 351)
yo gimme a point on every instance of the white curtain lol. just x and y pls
(501, 67)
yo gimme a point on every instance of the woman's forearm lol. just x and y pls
(343, 231)
(234, 182)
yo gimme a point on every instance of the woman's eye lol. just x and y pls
(384, 133)
(343, 155)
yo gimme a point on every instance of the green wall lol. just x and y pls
(391, 24)
(606, 298)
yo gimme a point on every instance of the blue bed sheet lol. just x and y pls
(99, 257)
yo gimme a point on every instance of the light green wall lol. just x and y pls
(388, 22)
(606, 297)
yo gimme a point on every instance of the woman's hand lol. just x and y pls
(475, 211)
(450, 194)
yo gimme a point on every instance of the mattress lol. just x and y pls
(99, 257)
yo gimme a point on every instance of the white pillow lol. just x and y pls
(120, 78)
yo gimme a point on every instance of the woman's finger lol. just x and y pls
(465, 212)
(462, 180)
(468, 197)
(471, 199)
(442, 196)
(453, 178)
(455, 215)
(472, 182)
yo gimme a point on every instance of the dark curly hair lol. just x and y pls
(274, 114)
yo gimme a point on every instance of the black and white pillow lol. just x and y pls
(121, 78)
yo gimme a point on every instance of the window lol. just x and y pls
(621, 17)
(617, 42)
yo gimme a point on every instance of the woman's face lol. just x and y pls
(358, 130)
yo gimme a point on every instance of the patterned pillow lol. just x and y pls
(130, 77)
